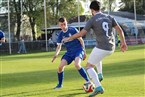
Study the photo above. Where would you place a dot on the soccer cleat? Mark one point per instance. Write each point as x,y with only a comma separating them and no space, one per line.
58,87
100,76
98,90
87,83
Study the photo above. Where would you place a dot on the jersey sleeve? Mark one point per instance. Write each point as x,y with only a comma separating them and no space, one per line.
2,35
59,39
88,25
75,30
114,22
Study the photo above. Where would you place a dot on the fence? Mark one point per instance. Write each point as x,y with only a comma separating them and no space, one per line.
40,46
30,46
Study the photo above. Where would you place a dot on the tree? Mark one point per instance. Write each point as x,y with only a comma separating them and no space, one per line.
108,5
17,8
15,15
33,10
59,8
129,6
55,9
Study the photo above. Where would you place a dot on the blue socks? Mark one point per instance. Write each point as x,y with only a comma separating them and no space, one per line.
60,78
81,71
84,74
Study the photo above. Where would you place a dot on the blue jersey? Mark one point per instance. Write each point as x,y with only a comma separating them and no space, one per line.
1,35
71,46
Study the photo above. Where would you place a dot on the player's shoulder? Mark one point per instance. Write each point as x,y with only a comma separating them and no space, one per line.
71,28
60,33
1,33
108,15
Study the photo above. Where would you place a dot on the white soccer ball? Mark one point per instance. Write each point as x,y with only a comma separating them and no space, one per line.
88,87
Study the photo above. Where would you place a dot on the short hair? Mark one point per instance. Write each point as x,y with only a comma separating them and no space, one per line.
62,19
95,5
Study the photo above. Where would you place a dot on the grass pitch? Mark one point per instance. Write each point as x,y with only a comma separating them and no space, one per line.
33,75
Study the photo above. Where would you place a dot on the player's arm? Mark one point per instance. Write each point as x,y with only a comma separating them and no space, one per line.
75,36
83,32
122,38
83,45
58,48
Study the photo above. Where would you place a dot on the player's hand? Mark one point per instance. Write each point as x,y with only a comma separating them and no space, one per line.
123,47
54,57
84,56
65,40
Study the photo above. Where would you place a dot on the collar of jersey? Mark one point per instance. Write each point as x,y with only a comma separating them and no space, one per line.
98,12
65,31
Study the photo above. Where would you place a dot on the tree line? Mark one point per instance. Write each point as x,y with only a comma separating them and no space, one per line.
34,9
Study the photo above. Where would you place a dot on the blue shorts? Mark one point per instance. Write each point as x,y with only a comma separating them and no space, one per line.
69,57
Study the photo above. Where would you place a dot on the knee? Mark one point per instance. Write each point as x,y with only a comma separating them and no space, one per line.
88,65
78,66
60,69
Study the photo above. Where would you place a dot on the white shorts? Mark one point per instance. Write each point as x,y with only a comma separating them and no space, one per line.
97,55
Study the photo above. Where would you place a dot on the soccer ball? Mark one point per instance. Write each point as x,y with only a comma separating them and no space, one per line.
88,87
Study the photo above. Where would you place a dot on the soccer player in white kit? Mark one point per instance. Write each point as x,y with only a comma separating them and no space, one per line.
102,25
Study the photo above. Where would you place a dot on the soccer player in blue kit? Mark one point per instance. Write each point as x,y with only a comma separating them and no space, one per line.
2,37
102,25
75,52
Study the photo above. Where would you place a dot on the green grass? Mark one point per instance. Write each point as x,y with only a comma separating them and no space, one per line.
33,75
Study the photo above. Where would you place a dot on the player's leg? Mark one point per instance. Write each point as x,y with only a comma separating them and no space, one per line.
61,73
99,70
24,48
81,70
20,48
95,58
94,76
66,60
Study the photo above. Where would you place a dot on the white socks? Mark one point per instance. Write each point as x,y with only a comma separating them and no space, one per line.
94,76
99,67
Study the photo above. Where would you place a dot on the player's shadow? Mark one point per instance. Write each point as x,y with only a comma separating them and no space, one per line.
30,93
73,94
